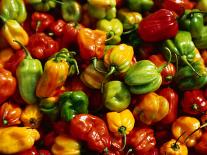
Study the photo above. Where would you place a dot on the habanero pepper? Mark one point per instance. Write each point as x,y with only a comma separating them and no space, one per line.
42,5
140,6
57,27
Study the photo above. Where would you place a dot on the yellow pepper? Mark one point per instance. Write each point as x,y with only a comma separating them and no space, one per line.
5,54
173,147
65,145
188,125
17,139
11,31
31,116
120,123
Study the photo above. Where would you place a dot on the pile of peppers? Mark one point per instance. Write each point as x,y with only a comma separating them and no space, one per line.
103,77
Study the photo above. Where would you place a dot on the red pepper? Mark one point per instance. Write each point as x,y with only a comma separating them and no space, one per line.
91,129
49,138
58,27
44,152
201,146
188,4
59,127
194,102
31,151
141,139
41,21
153,151
172,97
42,46
158,26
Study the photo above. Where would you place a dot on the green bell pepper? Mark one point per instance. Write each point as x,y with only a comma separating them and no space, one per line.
13,9
71,11
102,9
28,73
114,29
140,5
116,96
143,77
72,103
43,5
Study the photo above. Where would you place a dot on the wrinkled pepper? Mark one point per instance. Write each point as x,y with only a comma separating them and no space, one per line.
201,146
116,96
153,112
13,9
21,138
28,73
92,130
113,28
140,5
42,5
57,27
5,55
121,123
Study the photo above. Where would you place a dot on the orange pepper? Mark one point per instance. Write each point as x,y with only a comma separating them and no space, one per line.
5,54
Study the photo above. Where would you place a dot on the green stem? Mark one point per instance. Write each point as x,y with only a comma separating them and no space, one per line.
94,62
166,64
5,122
38,25
59,2
134,28
191,13
74,62
129,151
110,36
122,131
28,56
175,146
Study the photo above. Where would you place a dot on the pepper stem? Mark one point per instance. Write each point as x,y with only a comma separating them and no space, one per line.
59,2
175,146
122,131
134,28
110,36
166,64
38,25
5,122
191,13
94,62
28,56
129,151
74,62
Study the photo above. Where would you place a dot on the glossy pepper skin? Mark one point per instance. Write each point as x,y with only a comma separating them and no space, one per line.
5,55
42,5
21,138
28,73
57,27
153,112
140,6
10,114
92,130
201,146
143,77
42,46
173,147
13,9
7,84
116,96
166,26
142,140
188,125
113,27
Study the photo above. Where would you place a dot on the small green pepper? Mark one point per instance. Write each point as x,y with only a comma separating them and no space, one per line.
43,5
72,103
140,5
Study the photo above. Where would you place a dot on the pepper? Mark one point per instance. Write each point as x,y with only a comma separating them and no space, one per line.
57,27
42,5
41,21
153,112
31,150
73,103
116,96
55,73
92,130
28,73
31,116
65,145
102,9
5,55
42,46
173,147
143,77
21,138
114,29
202,5
188,125
10,114
71,11
13,9
7,84
158,26
142,140
140,6
201,146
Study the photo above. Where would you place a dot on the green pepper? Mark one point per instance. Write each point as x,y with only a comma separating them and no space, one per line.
71,11
114,29
28,73
72,103
43,5
140,5
13,9
116,96
102,9
143,77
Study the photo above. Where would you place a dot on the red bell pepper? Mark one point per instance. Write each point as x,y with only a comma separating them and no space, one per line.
57,27
172,97
158,26
42,46
201,146
194,102
31,151
91,129
41,21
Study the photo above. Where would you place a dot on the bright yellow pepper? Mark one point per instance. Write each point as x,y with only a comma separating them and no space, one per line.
120,123
5,54
173,147
11,31
65,145
17,139
188,125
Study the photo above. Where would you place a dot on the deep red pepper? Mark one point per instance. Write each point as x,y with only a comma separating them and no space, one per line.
44,152
49,138
201,146
57,27
42,46
91,129
41,21
194,102
158,26
31,151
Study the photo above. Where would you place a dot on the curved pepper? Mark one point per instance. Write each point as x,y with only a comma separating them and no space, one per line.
151,109
42,5
140,5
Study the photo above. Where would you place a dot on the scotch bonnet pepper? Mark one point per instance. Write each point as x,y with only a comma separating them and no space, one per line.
141,5
42,5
